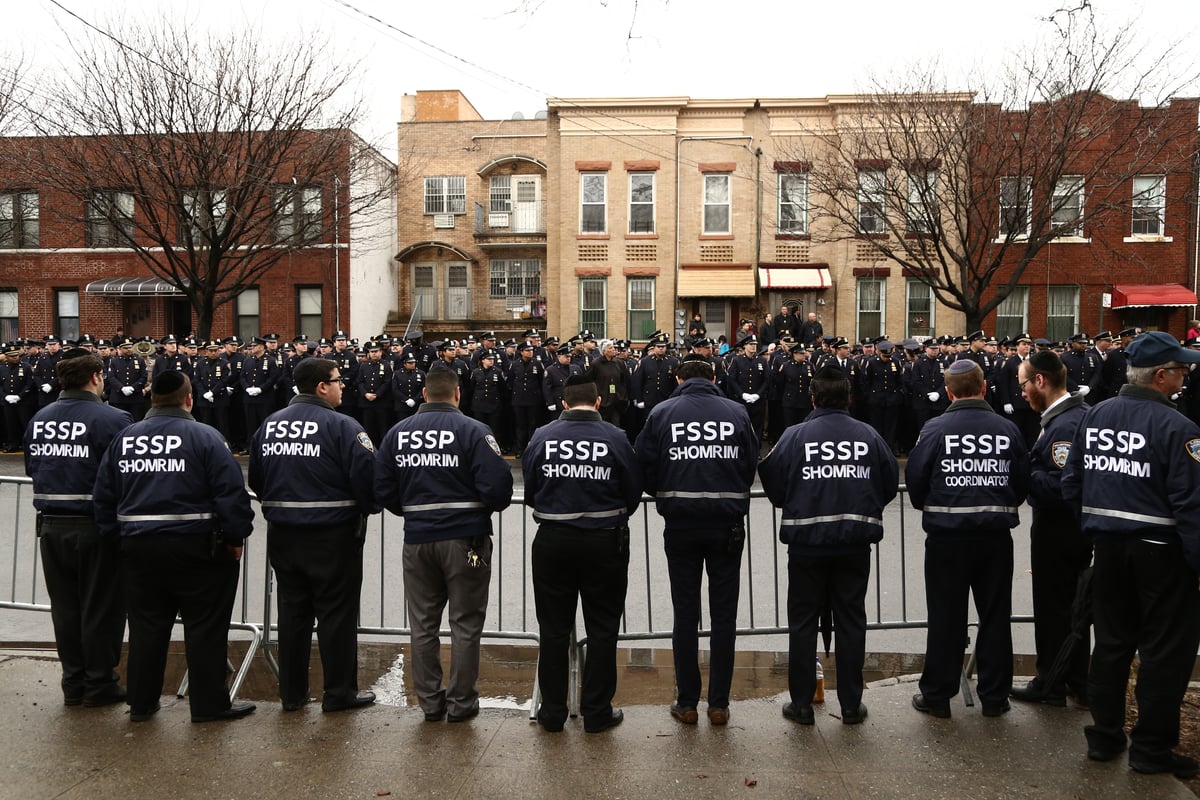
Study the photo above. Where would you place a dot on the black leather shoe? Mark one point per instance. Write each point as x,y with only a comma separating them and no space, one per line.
435,716
358,701
996,709
1104,753
685,714
294,705
470,713
601,725
551,724
1036,692
110,696
72,699
235,711
854,716
141,715
1177,765
926,707
801,714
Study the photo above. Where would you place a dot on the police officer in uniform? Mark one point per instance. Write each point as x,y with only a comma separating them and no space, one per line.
259,377
969,473
582,482
374,386
654,379
313,469
883,383
16,384
63,447
747,382
443,472
127,380
525,389
179,550
829,550
1084,368
556,380
697,453
488,388
1134,471
794,379
1058,550
45,376
408,386
348,366
1009,395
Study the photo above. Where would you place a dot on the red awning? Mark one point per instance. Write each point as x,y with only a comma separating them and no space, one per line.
1154,294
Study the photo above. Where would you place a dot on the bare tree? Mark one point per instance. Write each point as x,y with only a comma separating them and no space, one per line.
14,92
963,190
213,158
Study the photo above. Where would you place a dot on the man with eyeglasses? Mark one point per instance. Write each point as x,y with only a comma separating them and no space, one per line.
313,469
63,447
1134,472
1058,550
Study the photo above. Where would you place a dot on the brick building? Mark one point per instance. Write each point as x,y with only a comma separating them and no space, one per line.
66,266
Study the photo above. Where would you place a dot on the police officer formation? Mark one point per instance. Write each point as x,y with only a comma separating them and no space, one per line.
1089,432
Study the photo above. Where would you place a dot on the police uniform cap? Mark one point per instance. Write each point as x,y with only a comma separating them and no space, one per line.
413,336
960,366
510,342
992,341
167,382
34,343
300,337
1022,337
12,349
257,340
885,345
339,335
866,342
932,342
449,344
586,336
272,337
1103,336
1127,332
971,337
1158,347
168,339
324,342
841,341
213,344
191,341
373,345
703,341
787,340
85,339
563,351
487,335
410,358
126,342
1041,342
911,345
69,343
524,346
532,333
551,342
232,340
489,353
51,339
1078,337
99,343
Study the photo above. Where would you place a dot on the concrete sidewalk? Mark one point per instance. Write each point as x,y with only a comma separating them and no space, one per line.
51,751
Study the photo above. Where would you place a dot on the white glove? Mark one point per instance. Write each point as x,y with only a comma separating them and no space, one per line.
410,402
253,391
295,390
1083,391
746,397
228,390
933,397
640,404
552,408
46,388
127,390
1176,396
1008,408
12,399
208,396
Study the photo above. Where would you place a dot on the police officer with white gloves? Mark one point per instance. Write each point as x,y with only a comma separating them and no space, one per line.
968,473
313,469
582,481
179,550
443,472
63,447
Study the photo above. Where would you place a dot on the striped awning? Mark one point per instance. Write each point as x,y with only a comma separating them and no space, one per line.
132,287
795,277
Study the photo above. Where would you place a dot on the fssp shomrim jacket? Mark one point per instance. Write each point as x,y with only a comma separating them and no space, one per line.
1134,470
969,471
832,475
443,472
310,465
697,453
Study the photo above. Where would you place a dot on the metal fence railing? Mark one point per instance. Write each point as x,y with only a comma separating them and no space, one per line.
895,599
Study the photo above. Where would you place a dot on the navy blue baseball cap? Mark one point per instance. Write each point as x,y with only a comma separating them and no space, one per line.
1158,347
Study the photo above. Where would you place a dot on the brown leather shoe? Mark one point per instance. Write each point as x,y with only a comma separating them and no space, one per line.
685,714
718,716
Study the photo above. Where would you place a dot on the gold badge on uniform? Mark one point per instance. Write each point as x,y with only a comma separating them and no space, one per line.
1059,452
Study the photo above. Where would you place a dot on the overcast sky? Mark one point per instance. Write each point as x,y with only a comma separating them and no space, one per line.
510,55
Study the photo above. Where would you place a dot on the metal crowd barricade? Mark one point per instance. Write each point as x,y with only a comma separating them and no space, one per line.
511,616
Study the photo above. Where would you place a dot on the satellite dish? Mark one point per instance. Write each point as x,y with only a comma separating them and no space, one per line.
540,115
518,115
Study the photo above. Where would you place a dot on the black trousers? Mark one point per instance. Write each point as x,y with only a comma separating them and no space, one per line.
842,581
86,604
980,564
758,415
884,419
526,419
592,567
794,415
689,553
376,420
1146,602
169,574
1059,552
1030,424
319,572
255,414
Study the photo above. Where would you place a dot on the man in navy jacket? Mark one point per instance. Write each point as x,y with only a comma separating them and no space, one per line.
969,473
442,471
697,452
832,475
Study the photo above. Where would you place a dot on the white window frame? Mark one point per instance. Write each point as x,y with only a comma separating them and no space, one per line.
878,305
593,195
445,194
1024,187
636,203
640,293
1066,210
1149,203
872,201
1013,307
594,318
500,194
1060,299
247,307
922,201
310,310
197,217
718,194
792,190
514,278
929,310
110,218
10,314
298,214
19,220
66,312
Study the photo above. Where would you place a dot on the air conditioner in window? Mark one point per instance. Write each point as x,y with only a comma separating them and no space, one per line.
498,220
443,220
